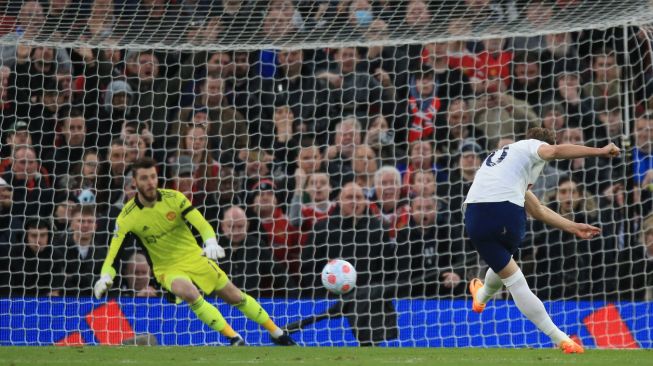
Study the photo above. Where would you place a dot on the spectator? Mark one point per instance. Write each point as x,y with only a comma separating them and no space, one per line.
227,194
609,122
423,184
63,210
459,128
10,226
60,19
90,175
351,233
593,173
429,252
422,158
181,178
364,165
636,267
29,23
418,18
423,105
351,91
153,92
278,234
16,135
341,152
204,170
446,73
317,187
136,277
36,265
100,23
243,92
294,84
32,191
118,107
605,85
495,59
380,138
74,140
7,105
227,128
42,117
643,151
460,180
500,115
390,204
562,261
575,104
250,265
118,169
532,80
84,249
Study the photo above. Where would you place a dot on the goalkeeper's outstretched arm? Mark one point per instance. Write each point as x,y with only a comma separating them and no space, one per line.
108,271
211,248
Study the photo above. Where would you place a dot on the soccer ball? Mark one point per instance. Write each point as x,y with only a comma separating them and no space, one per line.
339,276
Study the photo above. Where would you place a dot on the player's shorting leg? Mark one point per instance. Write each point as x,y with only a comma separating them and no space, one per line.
255,312
212,317
529,304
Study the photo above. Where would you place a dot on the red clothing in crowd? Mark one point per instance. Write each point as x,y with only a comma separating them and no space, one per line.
393,221
285,240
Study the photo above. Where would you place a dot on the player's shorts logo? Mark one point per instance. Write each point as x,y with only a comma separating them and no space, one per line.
171,215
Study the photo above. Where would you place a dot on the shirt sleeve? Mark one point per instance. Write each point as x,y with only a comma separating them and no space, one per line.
195,218
119,233
533,146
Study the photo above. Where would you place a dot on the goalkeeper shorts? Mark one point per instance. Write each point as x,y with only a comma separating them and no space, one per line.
496,230
203,272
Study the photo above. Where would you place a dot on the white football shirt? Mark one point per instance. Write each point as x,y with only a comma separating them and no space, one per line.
506,173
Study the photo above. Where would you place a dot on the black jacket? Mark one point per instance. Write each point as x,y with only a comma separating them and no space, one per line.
424,253
81,273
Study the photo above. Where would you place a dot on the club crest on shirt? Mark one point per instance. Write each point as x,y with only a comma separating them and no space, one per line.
171,215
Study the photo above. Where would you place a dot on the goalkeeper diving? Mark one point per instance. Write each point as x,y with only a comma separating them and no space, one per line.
160,218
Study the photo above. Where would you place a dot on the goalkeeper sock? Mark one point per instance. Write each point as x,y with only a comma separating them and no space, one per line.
491,285
532,307
210,315
254,311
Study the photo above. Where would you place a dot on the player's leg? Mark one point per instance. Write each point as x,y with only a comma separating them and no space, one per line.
482,291
253,311
185,289
533,308
483,234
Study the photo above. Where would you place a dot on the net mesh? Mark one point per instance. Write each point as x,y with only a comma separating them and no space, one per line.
311,130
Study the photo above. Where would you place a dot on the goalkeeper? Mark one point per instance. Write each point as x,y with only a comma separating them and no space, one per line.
159,217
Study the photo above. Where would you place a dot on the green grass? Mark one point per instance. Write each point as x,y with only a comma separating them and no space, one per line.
269,356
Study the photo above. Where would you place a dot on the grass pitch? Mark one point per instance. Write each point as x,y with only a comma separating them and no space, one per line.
272,356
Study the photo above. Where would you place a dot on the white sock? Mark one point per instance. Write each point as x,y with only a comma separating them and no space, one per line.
532,307
276,333
491,285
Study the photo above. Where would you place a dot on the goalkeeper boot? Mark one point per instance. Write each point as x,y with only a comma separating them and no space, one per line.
474,286
237,341
284,340
569,346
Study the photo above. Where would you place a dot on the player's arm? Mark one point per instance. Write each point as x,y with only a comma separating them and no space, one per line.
570,151
108,272
538,211
211,248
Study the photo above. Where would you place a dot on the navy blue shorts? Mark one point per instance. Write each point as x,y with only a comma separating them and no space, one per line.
496,229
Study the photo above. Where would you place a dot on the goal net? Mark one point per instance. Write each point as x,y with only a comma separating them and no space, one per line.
306,131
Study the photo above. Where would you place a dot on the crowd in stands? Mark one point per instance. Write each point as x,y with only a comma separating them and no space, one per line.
298,156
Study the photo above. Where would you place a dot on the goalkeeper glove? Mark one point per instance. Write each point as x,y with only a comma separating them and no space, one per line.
102,285
212,250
